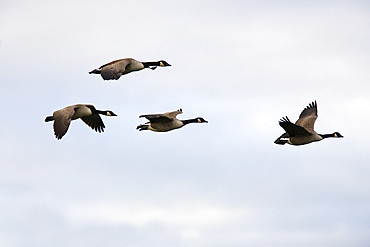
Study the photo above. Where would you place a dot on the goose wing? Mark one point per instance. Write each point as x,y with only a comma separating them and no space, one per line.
114,69
154,118
292,129
308,117
62,120
173,114
165,117
95,122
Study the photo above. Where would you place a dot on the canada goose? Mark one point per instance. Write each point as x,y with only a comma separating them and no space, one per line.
166,121
114,70
302,131
62,118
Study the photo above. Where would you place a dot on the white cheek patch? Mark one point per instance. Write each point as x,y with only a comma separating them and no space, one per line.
161,64
108,114
199,121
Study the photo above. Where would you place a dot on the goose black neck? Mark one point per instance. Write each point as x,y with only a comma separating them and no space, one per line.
92,109
187,121
326,135
148,64
100,112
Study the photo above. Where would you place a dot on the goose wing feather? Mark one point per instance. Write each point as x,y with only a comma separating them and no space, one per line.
114,69
308,117
62,120
95,122
154,118
292,129
173,114
165,117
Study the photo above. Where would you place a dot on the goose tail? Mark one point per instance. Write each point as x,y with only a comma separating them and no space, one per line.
142,127
49,118
282,139
95,71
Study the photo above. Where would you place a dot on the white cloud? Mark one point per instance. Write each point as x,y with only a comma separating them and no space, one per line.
241,65
185,215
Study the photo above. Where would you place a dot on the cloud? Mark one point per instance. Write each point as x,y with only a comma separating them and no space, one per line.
240,65
191,214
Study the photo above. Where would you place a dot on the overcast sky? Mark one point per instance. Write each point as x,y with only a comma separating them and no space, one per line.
241,65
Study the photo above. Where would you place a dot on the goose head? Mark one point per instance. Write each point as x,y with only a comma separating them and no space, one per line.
163,63
337,134
109,113
201,120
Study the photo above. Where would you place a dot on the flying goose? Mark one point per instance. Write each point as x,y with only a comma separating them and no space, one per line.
166,121
62,118
114,70
302,131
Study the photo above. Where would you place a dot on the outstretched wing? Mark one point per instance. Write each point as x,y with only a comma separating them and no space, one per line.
308,117
114,69
95,122
165,117
153,118
293,129
62,120
173,114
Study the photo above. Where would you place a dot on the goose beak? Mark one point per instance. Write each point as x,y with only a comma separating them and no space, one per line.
336,134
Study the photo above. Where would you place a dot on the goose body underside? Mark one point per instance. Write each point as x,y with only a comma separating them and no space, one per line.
297,140
163,127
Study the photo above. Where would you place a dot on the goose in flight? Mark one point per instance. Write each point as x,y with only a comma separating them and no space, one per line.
114,69
302,132
91,116
166,121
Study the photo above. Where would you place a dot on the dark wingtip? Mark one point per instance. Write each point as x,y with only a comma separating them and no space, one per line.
284,119
313,104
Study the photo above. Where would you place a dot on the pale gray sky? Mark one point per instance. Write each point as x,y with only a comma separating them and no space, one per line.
242,65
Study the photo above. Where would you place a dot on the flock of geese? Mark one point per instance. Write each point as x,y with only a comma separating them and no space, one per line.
299,133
